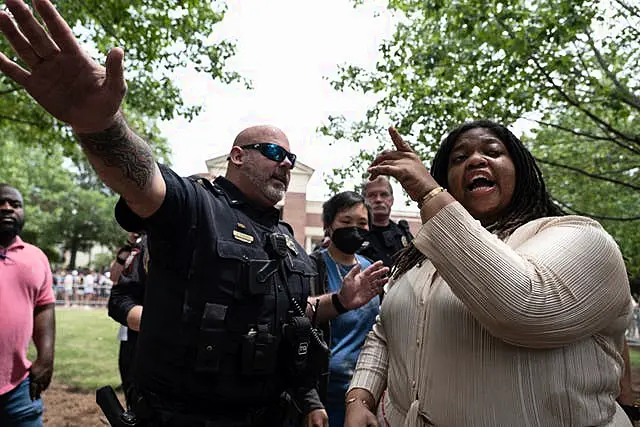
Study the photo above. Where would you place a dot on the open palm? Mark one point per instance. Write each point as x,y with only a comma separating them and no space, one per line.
359,287
61,77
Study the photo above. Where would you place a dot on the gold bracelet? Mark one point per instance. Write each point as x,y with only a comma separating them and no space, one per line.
356,399
430,195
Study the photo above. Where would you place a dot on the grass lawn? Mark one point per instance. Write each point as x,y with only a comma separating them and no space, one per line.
634,356
86,348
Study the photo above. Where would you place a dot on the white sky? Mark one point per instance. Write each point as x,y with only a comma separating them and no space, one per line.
287,48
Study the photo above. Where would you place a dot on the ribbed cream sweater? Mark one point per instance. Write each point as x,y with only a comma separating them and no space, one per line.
526,332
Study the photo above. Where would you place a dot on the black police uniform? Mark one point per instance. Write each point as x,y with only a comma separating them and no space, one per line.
212,348
384,242
126,294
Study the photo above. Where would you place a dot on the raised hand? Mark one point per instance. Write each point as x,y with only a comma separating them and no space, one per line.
403,164
61,77
359,287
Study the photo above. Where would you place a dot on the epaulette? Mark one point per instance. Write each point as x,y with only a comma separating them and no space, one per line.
404,225
407,237
208,185
287,225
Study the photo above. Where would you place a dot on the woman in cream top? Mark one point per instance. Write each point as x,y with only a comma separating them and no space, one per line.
503,312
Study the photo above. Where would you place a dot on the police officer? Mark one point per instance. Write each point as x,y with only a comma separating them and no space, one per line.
224,332
125,307
385,236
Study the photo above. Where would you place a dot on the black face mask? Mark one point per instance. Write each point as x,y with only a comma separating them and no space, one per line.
349,239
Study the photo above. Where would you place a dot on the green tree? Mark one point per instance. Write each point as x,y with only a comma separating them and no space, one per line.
594,178
571,67
102,261
67,207
158,38
60,214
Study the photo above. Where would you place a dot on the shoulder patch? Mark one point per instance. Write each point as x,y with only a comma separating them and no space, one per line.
291,245
404,226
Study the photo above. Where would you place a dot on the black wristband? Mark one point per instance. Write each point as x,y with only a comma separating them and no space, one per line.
337,304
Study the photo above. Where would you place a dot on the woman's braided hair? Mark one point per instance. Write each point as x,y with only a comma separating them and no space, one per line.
530,198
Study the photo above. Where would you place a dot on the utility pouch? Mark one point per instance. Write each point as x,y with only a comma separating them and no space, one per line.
212,339
298,335
259,352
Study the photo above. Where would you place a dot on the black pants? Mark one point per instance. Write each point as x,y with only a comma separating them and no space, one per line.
269,417
158,413
125,364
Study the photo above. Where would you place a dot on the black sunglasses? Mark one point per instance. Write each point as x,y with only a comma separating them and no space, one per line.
272,152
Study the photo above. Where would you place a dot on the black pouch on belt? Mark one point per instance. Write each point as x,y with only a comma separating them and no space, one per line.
259,351
213,338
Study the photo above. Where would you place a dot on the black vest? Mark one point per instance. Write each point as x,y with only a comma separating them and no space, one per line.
213,326
384,242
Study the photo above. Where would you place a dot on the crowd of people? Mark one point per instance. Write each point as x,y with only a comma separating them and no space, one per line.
501,311
81,287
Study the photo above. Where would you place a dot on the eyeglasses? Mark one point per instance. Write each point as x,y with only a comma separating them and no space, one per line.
272,152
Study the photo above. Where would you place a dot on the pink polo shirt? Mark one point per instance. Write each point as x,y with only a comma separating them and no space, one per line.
25,283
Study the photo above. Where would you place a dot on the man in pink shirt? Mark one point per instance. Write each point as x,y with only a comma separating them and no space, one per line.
26,311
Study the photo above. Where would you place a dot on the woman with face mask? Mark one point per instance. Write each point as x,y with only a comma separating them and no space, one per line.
346,218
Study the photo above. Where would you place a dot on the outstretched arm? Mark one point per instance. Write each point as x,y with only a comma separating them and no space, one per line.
73,88
125,163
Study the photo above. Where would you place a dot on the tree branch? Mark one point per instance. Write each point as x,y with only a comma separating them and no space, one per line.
581,60
632,10
634,30
8,91
596,216
621,171
604,127
570,100
584,134
39,125
628,97
590,175
95,14
578,105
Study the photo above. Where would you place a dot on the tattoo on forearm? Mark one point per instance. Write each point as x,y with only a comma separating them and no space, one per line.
118,146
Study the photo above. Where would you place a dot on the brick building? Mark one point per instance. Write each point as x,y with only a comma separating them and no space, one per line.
305,216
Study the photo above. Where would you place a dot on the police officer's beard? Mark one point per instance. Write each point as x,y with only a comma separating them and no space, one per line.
263,180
